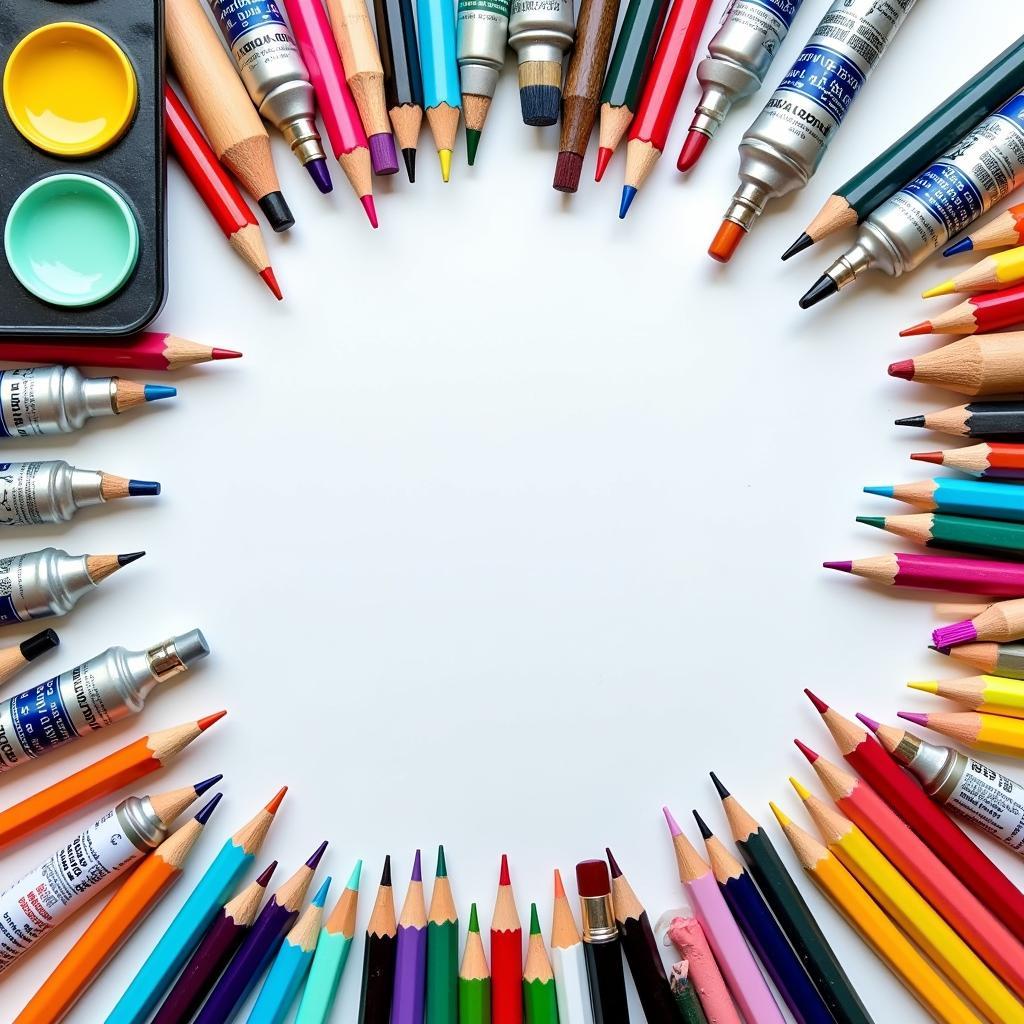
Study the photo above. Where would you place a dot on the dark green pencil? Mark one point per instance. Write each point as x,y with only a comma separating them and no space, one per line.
958,533
442,950
912,152
792,913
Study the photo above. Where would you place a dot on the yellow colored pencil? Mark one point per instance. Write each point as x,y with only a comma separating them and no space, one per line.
908,908
992,694
870,921
998,734
999,270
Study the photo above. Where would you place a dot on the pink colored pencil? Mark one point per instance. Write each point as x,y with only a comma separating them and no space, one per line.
333,96
939,572
148,350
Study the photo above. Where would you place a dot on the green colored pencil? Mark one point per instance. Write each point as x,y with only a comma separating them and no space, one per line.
685,994
442,950
793,914
960,533
474,978
541,1002
917,148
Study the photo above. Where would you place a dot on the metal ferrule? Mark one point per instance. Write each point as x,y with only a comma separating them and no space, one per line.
174,656
541,32
869,251
598,917
141,824
748,203
39,400
930,764
41,583
32,493
481,42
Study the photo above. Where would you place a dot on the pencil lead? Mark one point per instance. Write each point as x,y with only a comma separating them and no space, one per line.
913,716
726,241
275,800
910,421
409,156
628,194
202,787
268,873
940,649
811,755
442,867
702,825
132,556
945,288
385,875
924,685
321,894
316,855
534,920
964,245
270,278
933,457
673,825
878,522
924,327
445,157
904,369
722,791
818,703
158,392
846,566
803,242
693,146
780,815
822,289
275,209
143,488
472,144
225,353
474,920
869,722
504,878
882,491
38,644
370,208
604,158
321,176
417,868
353,879
204,814
204,723
559,886
613,863
801,790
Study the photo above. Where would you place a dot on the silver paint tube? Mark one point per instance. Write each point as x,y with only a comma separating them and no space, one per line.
481,44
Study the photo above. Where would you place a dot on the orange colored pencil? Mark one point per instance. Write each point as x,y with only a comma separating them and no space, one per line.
111,773
114,924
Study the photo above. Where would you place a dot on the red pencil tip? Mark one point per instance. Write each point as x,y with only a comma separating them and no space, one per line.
811,755
204,723
904,369
268,275
559,887
693,147
726,241
821,706
276,801
604,158
371,210
924,327
504,878
225,353
934,457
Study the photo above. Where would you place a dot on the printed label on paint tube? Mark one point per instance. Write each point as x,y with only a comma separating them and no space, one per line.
826,77
769,19
19,416
992,801
240,16
11,589
18,505
559,7
37,903
499,8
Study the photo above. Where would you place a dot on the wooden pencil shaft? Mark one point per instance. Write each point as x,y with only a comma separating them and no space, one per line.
594,29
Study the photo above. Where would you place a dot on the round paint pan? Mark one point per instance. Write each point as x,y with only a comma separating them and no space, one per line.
71,240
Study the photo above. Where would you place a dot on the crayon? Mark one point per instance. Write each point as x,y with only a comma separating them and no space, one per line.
686,934
990,311
685,995
148,350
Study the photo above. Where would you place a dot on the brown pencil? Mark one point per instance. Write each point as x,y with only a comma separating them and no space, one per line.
987,364
582,92
223,108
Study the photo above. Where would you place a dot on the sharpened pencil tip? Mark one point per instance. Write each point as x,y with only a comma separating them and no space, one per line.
613,863
321,894
204,813
878,522
559,886
268,873
158,392
385,875
270,279
924,327
811,755
673,825
913,716
371,209
869,723
504,878
803,242
933,457
417,867
474,919
472,144
275,800
780,815
604,158
202,787
881,490
705,831
628,195
939,650
314,859
801,790
442,867
945,288
818,703
353,879
224,353
910,421
445,158
964,245
924,685
132,556
846,566
823,288
204,723
903,368
534,920
723,793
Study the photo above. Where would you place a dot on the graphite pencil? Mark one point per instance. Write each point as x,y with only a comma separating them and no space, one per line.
990,311
989,364
988,460
990,421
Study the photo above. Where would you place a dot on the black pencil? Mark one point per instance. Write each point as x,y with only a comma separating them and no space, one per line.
991,421
403,80
379,955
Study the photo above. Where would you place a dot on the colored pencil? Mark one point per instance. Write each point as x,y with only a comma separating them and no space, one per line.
100,779
939,129
870,921
337,108
291,965
581,93
627,73
442,97
411,954
506,954
990,421
990,311
746,984
332,951
539,998
958,533
792,913
216,948
685,995
986,365
1002,230
223,108
601,943
959,497
648,131
763,933
474,978
911,912
907,799
218,192
996,734
379,955
686,934
965,914
999,270
14,658
149,350
350,23
959,609
403,80
988,694
568,959
988,460
939,572
192,921
1006,660
641,949
259,946
1001,622
145,887
442,949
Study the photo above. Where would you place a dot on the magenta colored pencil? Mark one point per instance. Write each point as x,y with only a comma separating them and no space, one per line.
411,955
939,572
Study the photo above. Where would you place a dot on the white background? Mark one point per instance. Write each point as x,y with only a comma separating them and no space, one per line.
507,528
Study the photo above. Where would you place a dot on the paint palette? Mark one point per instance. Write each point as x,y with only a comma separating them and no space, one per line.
82,166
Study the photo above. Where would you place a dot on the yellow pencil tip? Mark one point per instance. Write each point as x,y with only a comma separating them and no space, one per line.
946,288
780,814
801,790
924,685
445,156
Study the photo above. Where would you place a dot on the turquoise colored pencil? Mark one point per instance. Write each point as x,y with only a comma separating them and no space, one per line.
442,95
184,933
332,949
291,965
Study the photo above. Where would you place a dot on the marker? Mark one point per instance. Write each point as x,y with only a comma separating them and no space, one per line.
541,35
481,41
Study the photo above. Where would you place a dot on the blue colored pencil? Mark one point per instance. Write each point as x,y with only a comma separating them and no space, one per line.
982,498
442,95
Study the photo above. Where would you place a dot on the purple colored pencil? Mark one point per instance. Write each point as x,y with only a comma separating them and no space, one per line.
218,946
940,572
260,946
411,954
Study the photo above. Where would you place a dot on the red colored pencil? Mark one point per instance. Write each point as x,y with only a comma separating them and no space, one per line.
148,350
908,800
990,460
216,189
506,954
989,311
649,129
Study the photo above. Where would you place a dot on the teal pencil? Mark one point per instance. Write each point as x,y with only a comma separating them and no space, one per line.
185,932
291,965
332,949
